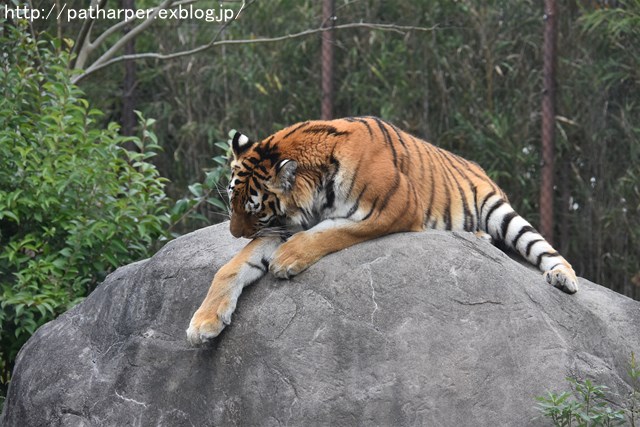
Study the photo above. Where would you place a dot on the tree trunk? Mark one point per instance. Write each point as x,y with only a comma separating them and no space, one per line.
548,120
128,119
328,39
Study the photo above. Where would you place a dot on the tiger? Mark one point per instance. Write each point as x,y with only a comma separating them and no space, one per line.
317,187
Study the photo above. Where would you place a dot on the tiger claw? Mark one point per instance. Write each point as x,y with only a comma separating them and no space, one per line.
280,272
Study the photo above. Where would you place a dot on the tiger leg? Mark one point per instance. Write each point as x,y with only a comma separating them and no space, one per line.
249,265
502,222
306,247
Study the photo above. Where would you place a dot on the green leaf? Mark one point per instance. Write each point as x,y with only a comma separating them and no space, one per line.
222,145
221,160
196,189
42,310
217,203
211,179
19,308
9,214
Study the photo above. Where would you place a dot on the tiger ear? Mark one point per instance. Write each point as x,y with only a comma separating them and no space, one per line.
285,174
239,143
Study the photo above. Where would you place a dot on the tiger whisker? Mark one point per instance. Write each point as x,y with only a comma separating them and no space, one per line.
274,231
223,198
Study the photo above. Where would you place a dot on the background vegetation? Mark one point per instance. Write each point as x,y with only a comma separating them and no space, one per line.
78,199
595,405
74,204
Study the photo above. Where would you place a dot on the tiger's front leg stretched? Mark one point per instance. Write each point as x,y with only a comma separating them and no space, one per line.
249,265
331,235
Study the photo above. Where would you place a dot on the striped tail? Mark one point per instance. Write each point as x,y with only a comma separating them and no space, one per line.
504,225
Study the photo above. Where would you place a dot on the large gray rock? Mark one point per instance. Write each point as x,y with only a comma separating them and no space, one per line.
431,328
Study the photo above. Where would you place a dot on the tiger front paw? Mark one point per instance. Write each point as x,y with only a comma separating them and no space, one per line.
286,269
209,320
563,278
290,259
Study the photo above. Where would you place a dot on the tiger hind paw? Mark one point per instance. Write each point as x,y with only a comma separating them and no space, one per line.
484,236
563,278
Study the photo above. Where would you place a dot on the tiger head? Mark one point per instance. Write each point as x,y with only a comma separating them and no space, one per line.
260,186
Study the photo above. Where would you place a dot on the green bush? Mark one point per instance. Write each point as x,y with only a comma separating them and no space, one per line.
594,406
74,202
591,410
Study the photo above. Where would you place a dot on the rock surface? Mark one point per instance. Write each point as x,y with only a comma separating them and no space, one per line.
430,328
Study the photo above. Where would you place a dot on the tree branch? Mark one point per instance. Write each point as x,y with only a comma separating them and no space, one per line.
81,48
131,34
116,27
401,29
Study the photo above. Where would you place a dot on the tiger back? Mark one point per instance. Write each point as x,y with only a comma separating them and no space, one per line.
320,186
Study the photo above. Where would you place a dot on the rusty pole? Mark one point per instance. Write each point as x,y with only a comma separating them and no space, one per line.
328,38
548,120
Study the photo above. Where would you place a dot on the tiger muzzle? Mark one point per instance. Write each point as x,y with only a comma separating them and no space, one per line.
242,227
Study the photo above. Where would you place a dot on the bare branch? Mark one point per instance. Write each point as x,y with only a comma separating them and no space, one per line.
81,47
131,34
89,47
120,25
401,29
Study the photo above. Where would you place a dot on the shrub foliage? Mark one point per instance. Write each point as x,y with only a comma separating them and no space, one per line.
74,203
